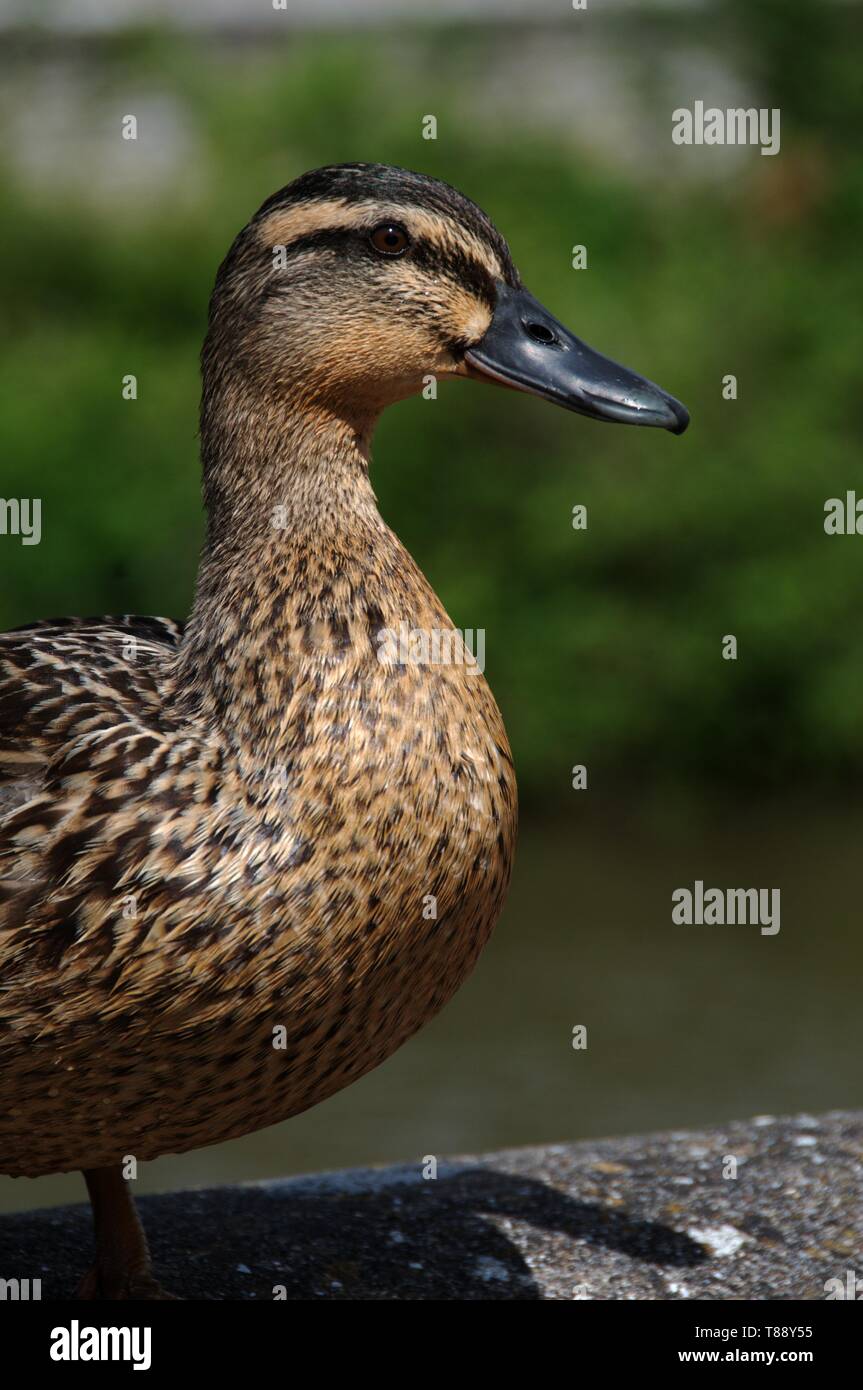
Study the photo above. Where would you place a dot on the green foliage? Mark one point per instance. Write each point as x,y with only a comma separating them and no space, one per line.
603,646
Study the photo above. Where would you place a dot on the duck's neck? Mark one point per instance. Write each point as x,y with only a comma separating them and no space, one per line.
297,561
276,464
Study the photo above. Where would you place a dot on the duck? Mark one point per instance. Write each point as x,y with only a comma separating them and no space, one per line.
245,857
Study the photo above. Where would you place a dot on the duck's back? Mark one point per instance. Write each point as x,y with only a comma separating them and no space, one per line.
63,682
67,686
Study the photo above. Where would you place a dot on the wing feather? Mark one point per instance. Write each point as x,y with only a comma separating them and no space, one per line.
62,680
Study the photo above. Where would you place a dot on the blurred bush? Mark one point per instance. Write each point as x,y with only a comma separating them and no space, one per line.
603,646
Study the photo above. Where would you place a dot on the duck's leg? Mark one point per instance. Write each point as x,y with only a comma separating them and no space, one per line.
122,1268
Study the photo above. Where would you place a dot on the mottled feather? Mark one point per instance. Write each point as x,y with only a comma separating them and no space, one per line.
252,830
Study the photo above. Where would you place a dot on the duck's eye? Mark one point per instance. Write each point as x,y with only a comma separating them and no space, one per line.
390,239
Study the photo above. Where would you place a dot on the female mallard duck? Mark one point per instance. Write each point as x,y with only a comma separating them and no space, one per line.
244,860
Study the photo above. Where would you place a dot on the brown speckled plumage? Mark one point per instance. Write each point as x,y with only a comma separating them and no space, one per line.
211,832
242,861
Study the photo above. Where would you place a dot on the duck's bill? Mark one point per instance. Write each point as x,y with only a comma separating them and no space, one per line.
526,348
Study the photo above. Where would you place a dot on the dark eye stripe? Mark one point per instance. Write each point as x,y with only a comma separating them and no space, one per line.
356,183
458,266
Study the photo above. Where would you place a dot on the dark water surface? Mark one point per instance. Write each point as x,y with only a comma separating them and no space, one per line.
687,1025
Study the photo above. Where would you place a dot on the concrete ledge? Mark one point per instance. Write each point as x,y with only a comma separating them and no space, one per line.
636,1218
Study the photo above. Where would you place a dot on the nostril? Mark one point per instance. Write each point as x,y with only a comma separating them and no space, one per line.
540,333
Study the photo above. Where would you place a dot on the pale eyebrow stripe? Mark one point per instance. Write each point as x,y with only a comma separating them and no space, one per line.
289,224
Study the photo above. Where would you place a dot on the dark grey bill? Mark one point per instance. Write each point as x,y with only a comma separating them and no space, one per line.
525,347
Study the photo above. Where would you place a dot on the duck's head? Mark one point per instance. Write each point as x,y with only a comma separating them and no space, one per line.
356,283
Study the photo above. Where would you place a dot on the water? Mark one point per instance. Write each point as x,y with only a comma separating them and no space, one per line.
685,1025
